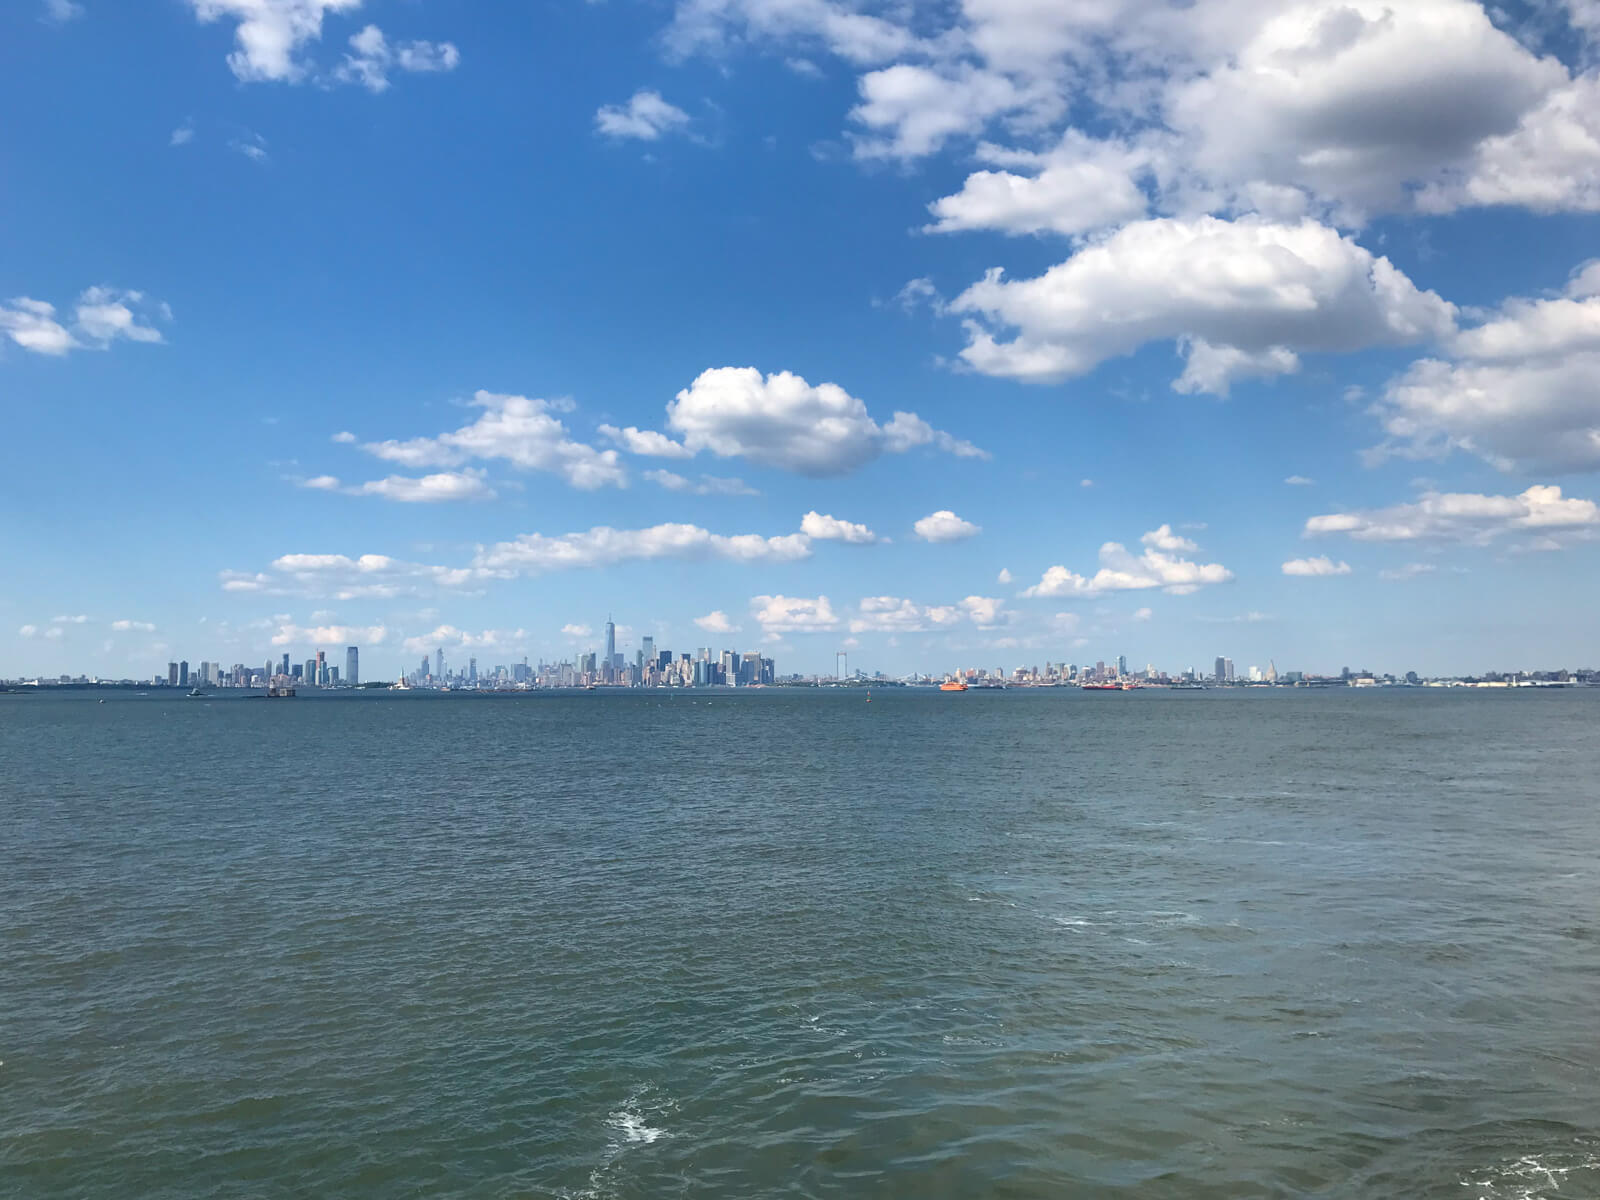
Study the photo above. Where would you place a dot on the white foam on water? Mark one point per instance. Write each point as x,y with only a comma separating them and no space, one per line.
1538,1177
1073,922
634,1128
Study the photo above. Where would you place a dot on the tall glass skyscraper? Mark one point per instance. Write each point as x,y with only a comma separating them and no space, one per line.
352,666
611,646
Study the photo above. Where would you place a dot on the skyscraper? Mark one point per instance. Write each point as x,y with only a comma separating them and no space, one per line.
322,669
438,663
309,677
1122,665
1221,675
285,663
352,665
609,663
172,674
183,674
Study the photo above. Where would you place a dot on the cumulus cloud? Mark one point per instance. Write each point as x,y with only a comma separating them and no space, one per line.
1142,614
793,614
578,632
1299,481
372,57
646,117
522,431
132,627
945,526
1241,298
341,577
290,634
828,528
1518,391
1081,187
60,12
1164,539
344,437
101,316
648,442
29,631
1321,565
1465,517
1121,570
717,621
1004,576
782,421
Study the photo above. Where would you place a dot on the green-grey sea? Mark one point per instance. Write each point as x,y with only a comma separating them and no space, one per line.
790,943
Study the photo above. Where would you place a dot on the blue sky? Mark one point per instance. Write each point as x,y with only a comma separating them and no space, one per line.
1099,327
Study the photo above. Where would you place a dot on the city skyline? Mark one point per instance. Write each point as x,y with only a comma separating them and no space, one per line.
812,329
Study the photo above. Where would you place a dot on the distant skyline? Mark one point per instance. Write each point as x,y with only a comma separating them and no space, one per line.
996,334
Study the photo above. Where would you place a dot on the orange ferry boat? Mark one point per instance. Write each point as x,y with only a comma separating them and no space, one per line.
952,685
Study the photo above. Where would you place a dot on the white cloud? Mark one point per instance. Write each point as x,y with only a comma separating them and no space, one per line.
101,316
1164,539
828,528
29,631
1465,517
322,483
646,117
716,26
706,485
429,489
368,576
782,421
1121,570
1142,614
182,135
1004,576
1519,394
132,627
520,430
1082,187
945,526
448,637
577,632
271,33
1321,565
1241,297
1086,483
895,614
604,546
648,442
60,12
1299,481
344,437
289,634
54,634
372,57
76,619
717,621
793,614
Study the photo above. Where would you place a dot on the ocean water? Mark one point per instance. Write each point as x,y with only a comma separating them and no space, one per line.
794,944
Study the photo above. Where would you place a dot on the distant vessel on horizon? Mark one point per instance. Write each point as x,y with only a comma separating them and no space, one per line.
197,694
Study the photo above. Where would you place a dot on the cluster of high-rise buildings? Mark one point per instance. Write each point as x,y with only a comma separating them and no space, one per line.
314,672
648,666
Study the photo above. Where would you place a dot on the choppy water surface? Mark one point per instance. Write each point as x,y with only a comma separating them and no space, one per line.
790,944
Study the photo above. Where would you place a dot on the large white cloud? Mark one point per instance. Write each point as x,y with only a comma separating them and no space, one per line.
1121,570
1520,392
1467,517
522,431
1243,297
780,420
